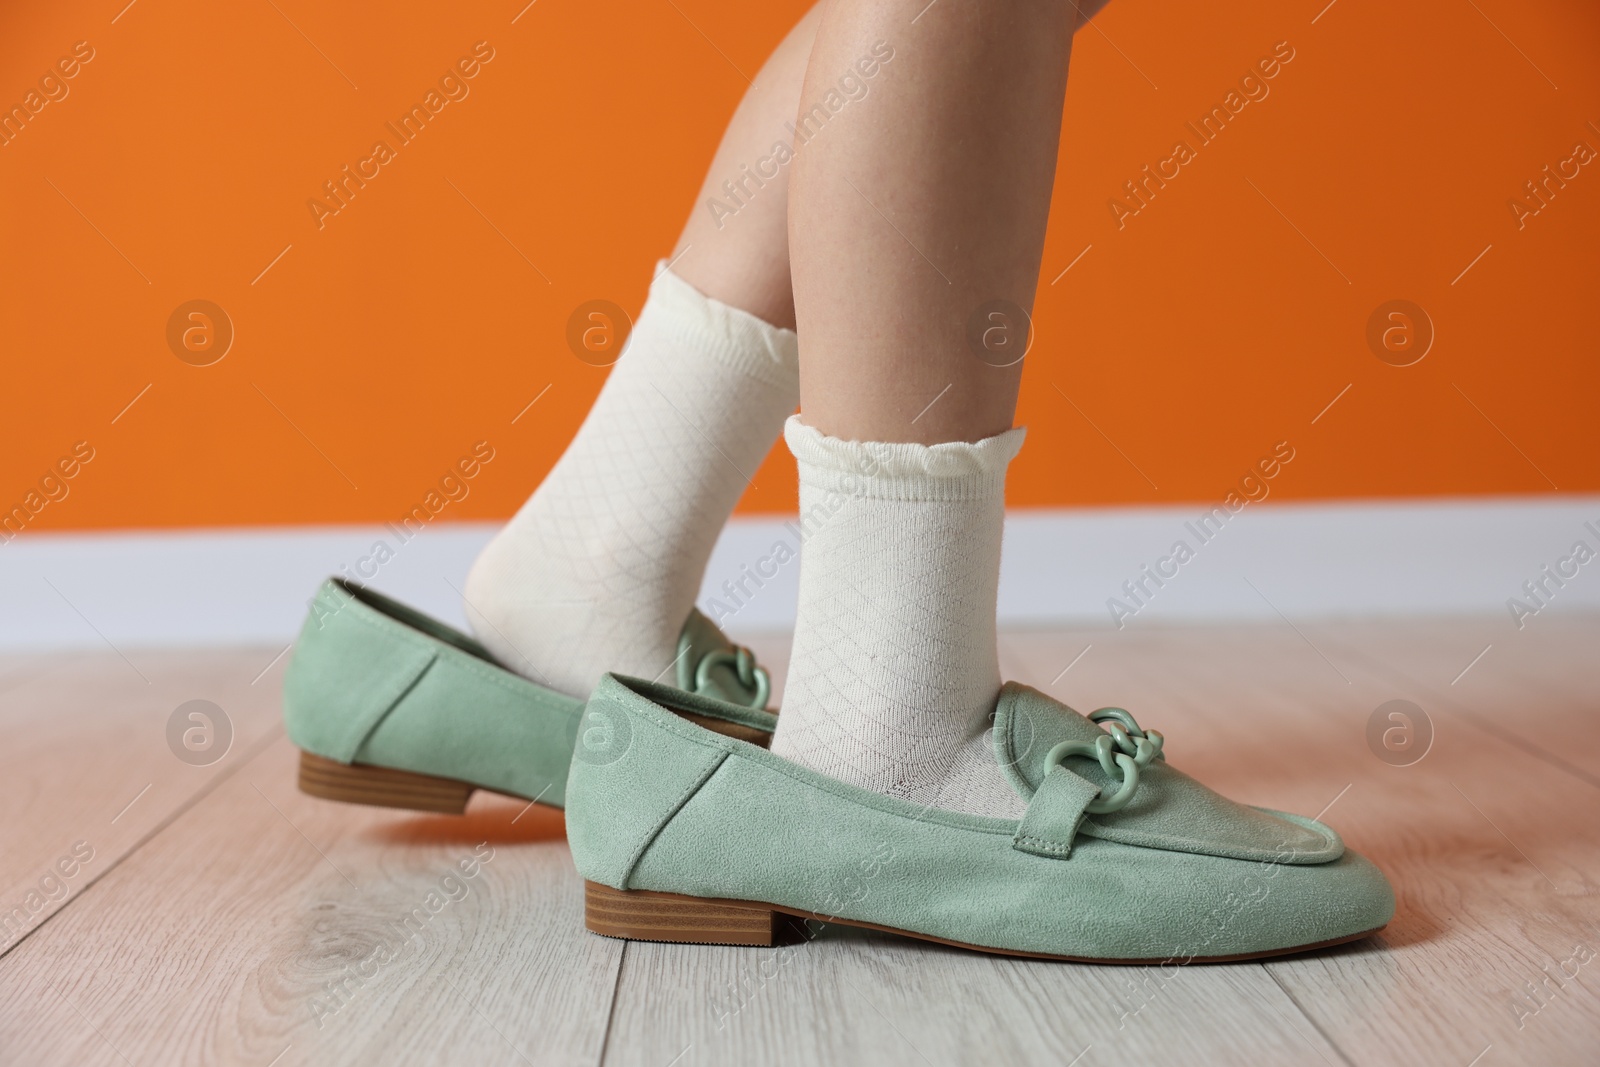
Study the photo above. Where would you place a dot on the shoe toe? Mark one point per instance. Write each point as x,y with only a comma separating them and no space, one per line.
1316,904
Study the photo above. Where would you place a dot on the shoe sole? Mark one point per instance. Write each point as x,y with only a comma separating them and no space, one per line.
384,787
646,915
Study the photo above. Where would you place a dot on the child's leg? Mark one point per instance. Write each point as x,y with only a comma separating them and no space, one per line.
929,203
600,568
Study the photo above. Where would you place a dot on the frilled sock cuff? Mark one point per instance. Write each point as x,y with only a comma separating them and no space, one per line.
954,470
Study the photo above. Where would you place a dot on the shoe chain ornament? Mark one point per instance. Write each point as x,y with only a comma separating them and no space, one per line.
1122,752
753,679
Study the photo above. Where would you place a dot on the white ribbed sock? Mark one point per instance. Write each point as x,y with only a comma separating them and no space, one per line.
600,568
895,670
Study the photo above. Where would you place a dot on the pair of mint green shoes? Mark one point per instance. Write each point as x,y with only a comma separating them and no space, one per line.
685,828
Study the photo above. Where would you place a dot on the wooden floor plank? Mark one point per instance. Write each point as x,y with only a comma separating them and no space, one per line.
217,939
263,920
87,771
1497,856
1534,688
855,997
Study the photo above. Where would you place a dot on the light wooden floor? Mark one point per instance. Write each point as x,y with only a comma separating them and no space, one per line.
220,904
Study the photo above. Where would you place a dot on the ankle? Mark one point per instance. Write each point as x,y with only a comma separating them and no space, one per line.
894,672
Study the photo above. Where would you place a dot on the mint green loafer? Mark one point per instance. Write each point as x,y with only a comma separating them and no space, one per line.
693,834
393,708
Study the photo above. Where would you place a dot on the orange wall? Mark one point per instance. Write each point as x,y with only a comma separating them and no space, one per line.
1211,326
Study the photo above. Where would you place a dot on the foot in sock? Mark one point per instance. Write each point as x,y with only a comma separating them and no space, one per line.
599,569
895,671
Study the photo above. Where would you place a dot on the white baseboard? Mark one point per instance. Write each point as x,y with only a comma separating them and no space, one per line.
211,587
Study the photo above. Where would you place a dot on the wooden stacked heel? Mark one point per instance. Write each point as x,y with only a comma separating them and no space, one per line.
384,787
640,915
